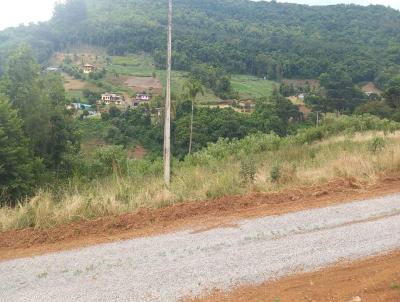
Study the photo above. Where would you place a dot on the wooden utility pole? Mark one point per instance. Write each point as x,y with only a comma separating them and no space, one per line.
167,125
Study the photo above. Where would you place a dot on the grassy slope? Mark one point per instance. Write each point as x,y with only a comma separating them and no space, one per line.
139,65
279,163
250,87
142,65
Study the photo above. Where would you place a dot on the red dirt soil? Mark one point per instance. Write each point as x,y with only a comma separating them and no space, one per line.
198,216
372,280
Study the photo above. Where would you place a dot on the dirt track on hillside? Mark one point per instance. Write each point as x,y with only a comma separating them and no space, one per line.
197,215
373,280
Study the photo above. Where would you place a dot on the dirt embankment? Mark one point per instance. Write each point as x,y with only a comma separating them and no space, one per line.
372,280
197,215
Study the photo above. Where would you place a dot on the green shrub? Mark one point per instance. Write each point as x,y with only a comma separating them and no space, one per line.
310,135
276,173
377,144
108,160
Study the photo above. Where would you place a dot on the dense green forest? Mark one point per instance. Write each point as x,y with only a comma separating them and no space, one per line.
261,38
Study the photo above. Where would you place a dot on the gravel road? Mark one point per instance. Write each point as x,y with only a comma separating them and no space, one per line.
172,266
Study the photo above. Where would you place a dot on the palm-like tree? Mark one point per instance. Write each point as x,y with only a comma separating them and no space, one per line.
193,88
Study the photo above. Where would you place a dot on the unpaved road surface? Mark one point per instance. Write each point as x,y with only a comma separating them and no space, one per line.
173,266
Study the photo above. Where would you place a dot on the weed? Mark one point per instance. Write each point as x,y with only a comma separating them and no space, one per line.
376,145
395,285
43,275
276,173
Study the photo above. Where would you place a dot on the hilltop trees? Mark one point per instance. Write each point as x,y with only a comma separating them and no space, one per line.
259,38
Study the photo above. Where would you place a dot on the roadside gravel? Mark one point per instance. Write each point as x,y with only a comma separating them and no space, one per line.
172,266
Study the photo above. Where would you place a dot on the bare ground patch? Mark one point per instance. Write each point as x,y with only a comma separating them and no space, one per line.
375,279
148,84
72,84
371,87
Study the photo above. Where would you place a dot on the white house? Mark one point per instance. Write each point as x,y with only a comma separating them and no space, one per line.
141,98
111,98
89,68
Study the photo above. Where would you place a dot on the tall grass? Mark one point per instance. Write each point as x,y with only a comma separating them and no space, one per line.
313,156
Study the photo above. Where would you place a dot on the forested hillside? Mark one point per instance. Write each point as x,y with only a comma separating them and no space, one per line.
261,38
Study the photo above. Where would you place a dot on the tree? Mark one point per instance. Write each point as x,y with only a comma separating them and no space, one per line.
40,104
193,88
392,93
63,140
23,87
53,85
341,93
378,108
16,160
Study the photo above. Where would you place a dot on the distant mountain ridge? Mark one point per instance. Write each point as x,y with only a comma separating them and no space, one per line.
261,38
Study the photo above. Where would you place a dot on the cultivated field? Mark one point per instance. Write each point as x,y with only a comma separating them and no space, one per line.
250,87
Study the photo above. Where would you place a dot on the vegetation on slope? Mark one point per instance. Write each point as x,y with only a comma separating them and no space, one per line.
46,179
363,147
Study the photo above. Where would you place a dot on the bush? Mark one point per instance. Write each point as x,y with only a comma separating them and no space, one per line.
377,144
310,135
275,173
107,161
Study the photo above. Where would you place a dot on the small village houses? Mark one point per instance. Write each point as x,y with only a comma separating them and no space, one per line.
89,68
111,98
141,98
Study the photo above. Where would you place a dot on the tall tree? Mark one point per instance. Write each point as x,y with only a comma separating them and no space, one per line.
392,93
40,101
340,91
193,88
16,160
22,85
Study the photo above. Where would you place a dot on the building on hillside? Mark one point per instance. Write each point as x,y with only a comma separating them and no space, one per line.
141,98
89,68
53,69
111,98
81,106
302,96
247,106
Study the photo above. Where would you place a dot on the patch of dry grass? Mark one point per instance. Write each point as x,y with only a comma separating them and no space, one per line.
293,165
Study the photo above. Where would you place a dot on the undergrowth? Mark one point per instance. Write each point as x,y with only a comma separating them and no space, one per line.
361,147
